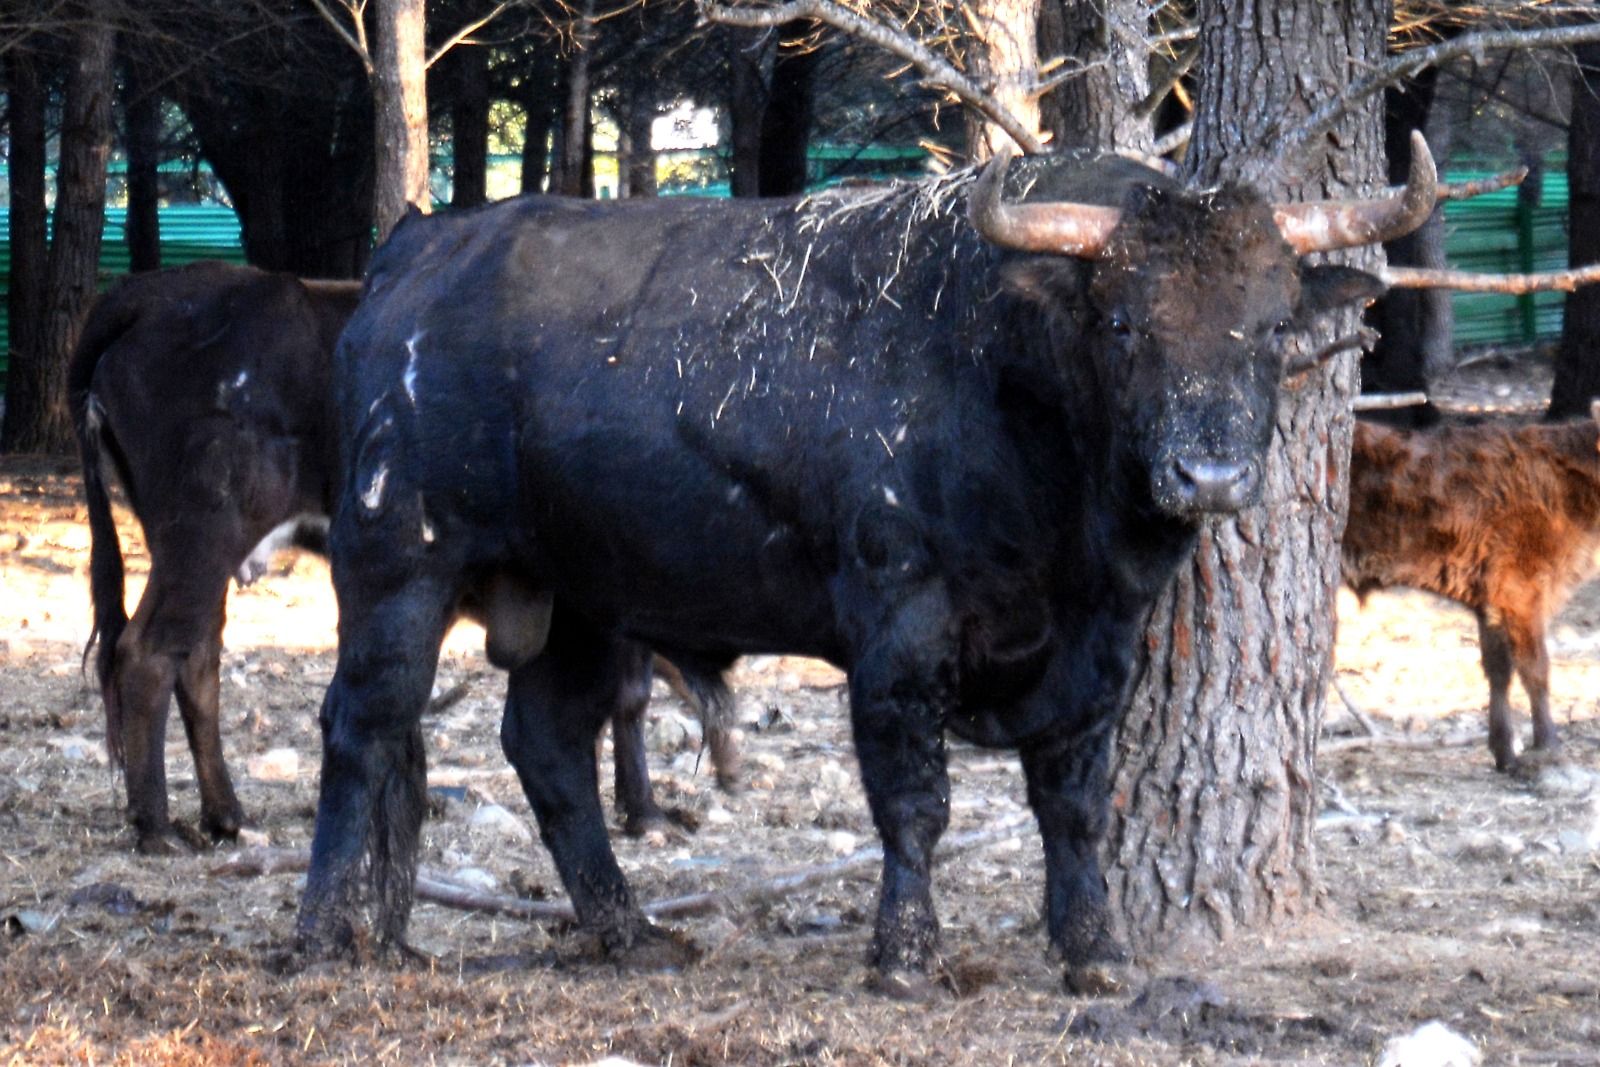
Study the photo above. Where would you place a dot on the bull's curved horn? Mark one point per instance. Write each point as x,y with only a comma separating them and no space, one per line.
1057,228
1321,226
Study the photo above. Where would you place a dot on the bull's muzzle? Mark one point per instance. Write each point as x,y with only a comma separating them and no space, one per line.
1216,485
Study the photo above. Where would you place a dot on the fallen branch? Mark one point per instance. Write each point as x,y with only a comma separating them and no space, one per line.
1350,744
1361,717
434,887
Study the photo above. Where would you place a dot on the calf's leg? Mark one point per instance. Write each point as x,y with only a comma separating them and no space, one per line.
141,684
1531,657
1494,646
636,803
198,692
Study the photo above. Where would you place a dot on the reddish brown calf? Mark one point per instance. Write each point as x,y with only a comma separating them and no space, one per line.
1504,519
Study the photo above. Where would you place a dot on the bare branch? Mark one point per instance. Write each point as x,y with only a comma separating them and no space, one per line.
1466,281
466,31
1381,402
1173,140
1406,64
936,71
1479,186
354,35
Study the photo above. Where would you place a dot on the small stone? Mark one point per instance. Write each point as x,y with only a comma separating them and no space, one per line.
1430,1045
1575,842
717,815
498,820
1563,780
77,749
842,842
275,765
251,838
1393,832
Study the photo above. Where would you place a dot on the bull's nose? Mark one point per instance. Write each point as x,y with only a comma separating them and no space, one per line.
1215,485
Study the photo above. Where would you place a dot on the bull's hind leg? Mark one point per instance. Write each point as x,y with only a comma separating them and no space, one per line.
636,802
1494,646
556,705
199,685
369,812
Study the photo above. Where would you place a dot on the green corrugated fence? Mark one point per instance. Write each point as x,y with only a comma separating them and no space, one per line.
187,233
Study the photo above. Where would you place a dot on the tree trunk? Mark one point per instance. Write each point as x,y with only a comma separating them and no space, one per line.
72,270
639,167
1578,359
26,94
1095,108
400,98
469,127
1213,776
1416,326
748,54
786,120
575,117
539,94
1004,59
143,115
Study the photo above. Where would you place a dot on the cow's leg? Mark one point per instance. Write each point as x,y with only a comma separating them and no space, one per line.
1494,646
198,691
1531,657
369,812
636,803
556,705
1068,792
901,688
141,685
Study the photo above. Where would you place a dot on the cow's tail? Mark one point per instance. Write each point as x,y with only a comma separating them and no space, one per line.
702,685
97,449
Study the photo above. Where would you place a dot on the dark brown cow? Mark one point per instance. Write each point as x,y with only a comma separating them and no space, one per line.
205,390
1504,519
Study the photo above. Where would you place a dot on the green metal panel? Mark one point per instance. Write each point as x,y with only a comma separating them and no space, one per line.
188,233
1487,234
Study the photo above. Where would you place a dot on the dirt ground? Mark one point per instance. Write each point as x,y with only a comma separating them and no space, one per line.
1454,894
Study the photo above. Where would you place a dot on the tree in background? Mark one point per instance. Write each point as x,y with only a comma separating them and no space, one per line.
1578,359
400,103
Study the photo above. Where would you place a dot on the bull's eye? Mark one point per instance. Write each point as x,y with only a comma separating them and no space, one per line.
1119,325
1282,328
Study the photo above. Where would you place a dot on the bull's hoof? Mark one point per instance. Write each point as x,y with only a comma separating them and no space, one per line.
223,827
661,826
1101,978
162,842
643,946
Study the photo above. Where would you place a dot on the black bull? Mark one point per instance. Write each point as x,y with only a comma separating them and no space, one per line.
205,390
959,459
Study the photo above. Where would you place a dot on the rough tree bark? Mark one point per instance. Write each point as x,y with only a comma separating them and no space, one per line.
638,176
540,90
749,56
72,265
469,126
1004,59
142,113
571,162
1213,798
1110,74
1578,359
25,297
400,100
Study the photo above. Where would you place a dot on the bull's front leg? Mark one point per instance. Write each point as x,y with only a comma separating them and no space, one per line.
901,688
1068,791
372,796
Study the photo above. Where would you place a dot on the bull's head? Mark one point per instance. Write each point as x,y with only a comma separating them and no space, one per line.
1190,308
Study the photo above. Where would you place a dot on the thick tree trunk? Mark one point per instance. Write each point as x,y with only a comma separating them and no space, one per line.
1416,326
400,99
639,155
540,92
72,272
25,296
1095,108
143,114
573,159
1578,359
786,121
1003,57
469,127
1213,794
749,56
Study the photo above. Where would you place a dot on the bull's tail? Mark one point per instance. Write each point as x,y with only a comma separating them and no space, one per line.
97,448
701,684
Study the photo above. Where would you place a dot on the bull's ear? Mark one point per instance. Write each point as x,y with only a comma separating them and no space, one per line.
1324,287
1050,282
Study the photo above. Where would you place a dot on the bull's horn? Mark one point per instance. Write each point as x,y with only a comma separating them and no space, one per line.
1060,229
1322,226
